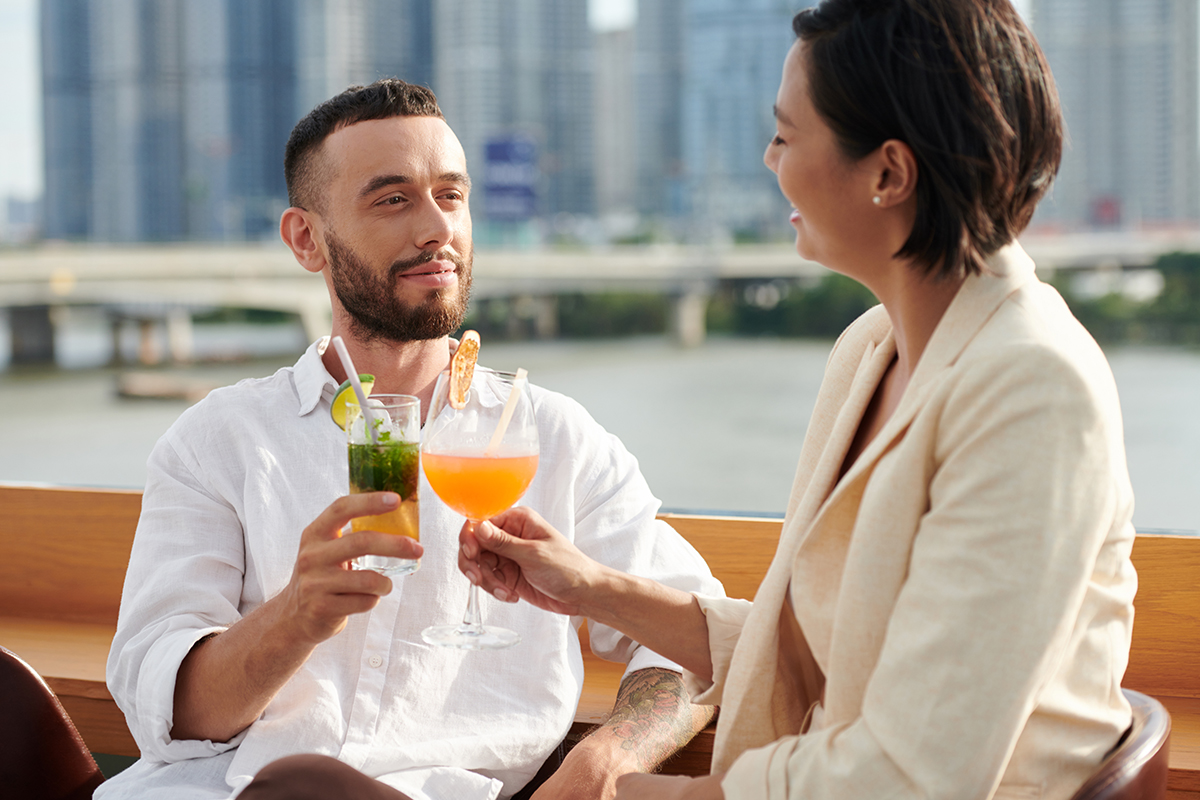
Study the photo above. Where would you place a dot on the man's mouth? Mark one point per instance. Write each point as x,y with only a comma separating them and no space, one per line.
434,274
435,267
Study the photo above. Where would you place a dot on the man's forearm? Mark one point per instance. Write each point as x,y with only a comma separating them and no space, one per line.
226,682
653,717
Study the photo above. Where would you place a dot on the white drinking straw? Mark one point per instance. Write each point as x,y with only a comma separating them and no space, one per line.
506,414
344,355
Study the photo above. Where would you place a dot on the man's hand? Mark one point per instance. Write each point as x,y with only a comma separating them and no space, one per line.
226,681
324,591
669,787
518,555
652,718
587,773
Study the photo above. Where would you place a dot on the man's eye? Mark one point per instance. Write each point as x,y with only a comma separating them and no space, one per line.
777,140
394,200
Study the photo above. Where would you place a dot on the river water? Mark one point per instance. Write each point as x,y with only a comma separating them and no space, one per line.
715,428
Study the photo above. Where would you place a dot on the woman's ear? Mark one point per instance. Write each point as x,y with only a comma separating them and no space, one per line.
298,229
895,174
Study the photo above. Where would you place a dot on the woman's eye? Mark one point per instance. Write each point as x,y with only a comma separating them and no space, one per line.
777,141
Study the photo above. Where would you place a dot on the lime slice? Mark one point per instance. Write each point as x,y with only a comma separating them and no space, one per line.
344,394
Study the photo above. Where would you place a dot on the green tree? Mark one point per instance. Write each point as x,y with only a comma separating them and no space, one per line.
1176,310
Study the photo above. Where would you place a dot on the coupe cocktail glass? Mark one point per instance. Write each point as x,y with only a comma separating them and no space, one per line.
479,460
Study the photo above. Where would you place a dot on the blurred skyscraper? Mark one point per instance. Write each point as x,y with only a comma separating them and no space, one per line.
509,70
1127,73
734,54
166,119
658,79
615,161
67,123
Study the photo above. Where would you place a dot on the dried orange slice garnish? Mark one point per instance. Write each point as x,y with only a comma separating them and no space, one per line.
462,367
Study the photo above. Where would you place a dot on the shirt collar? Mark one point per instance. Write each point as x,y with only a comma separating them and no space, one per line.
311,377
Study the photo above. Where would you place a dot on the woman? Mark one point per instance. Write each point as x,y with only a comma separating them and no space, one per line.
949,610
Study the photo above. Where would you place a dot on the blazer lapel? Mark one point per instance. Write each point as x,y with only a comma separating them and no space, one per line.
979,298
761,686
824,543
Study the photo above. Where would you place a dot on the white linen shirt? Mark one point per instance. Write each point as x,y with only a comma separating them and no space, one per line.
231,486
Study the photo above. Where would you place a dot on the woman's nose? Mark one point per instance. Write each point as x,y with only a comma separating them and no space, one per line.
771,158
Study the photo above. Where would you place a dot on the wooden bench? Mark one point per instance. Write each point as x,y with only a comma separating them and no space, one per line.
63,553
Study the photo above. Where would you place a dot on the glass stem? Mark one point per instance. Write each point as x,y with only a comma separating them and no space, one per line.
472,620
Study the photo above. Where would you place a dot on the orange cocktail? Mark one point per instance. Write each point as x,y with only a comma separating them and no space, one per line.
479,451
479,486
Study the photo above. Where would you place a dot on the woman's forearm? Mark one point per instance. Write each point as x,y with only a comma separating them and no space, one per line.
518,555
666,620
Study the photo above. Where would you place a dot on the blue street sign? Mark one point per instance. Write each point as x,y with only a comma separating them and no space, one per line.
510,178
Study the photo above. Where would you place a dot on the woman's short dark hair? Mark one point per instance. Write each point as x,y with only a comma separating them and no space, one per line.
383,99
964,84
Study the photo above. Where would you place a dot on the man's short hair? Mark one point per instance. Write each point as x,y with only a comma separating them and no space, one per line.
383,99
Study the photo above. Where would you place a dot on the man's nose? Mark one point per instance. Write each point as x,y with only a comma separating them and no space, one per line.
435,227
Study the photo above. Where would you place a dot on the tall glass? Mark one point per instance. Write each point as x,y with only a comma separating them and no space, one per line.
479,459
384,457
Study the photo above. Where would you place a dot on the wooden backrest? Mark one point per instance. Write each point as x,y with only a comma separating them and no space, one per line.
738,549
1165,658
64,551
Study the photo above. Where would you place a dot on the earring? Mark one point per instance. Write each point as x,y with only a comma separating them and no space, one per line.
876,199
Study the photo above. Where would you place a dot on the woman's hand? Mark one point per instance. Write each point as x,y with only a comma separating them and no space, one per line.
518,555
637,786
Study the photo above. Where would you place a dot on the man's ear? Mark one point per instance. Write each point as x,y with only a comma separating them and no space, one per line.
895,178
299,230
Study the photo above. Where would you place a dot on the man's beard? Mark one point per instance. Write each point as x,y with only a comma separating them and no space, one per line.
376,313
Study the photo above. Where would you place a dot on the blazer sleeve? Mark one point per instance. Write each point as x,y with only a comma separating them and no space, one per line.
725,617
1027,482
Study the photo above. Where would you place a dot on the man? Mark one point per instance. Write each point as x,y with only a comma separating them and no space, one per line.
243,636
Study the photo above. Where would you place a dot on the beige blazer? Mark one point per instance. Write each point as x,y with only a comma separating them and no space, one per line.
965,589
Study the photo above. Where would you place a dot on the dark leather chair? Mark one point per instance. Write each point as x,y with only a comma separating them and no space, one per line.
42,756
1136,769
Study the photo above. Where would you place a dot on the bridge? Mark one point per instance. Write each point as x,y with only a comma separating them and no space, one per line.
156,284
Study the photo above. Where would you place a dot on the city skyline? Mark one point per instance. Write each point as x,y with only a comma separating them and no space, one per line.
164,119
20,88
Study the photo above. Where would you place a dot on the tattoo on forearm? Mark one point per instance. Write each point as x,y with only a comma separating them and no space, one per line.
654,716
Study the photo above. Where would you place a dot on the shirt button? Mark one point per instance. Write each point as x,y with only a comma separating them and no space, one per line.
375,661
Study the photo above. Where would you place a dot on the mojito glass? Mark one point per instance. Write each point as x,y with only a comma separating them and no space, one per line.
383,448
